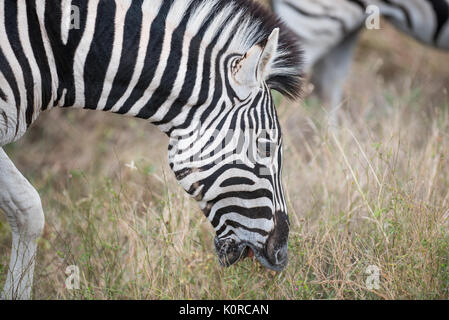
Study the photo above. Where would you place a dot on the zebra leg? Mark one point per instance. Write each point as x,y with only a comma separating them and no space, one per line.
22,206
330,72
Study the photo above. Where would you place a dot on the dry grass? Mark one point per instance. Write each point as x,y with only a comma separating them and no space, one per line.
374,192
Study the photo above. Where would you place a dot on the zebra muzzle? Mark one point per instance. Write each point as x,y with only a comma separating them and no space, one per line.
229,251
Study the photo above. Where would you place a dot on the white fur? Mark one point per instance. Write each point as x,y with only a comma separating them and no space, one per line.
82,52
66,8
120,16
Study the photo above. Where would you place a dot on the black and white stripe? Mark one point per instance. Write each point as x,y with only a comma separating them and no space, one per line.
201,70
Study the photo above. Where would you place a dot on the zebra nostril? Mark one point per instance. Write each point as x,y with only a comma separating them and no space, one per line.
282,256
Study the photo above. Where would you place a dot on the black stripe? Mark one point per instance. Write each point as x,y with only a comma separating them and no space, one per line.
217,129
10,78
236,225
37,44
154,50
163,92
190,78
99,56
211,179
130,50
244,195
12,32
441,9
236,181
252,213
52,24
227,234
3,96
205,84
64,54
218,81
263,114
218,86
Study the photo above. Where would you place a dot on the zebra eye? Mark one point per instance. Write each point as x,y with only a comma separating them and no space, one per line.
265,148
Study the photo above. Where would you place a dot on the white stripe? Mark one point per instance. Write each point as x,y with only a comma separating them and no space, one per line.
245,235
174,17
66,10
8,52
225,34
200,14
81,53
150,9
114,63
28,52
210,34
192,28
262,224
48,51
61,101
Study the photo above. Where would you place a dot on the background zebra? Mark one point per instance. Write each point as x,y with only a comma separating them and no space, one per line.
329,30
200,70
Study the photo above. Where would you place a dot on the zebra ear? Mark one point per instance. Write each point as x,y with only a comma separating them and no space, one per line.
255,65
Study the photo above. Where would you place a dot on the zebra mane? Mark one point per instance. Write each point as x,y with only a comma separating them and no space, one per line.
255,24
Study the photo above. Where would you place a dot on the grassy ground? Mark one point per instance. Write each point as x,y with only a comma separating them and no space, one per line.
374,192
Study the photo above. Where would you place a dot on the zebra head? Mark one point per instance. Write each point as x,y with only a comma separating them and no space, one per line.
231,163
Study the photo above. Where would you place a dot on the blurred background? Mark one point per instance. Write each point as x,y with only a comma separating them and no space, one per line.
375,192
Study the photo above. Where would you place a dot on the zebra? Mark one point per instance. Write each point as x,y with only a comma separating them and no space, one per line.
202,71
329,30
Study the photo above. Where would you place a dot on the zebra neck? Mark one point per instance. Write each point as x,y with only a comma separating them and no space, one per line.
159,71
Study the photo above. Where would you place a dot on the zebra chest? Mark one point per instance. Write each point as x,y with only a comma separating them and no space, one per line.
12,119
10,129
